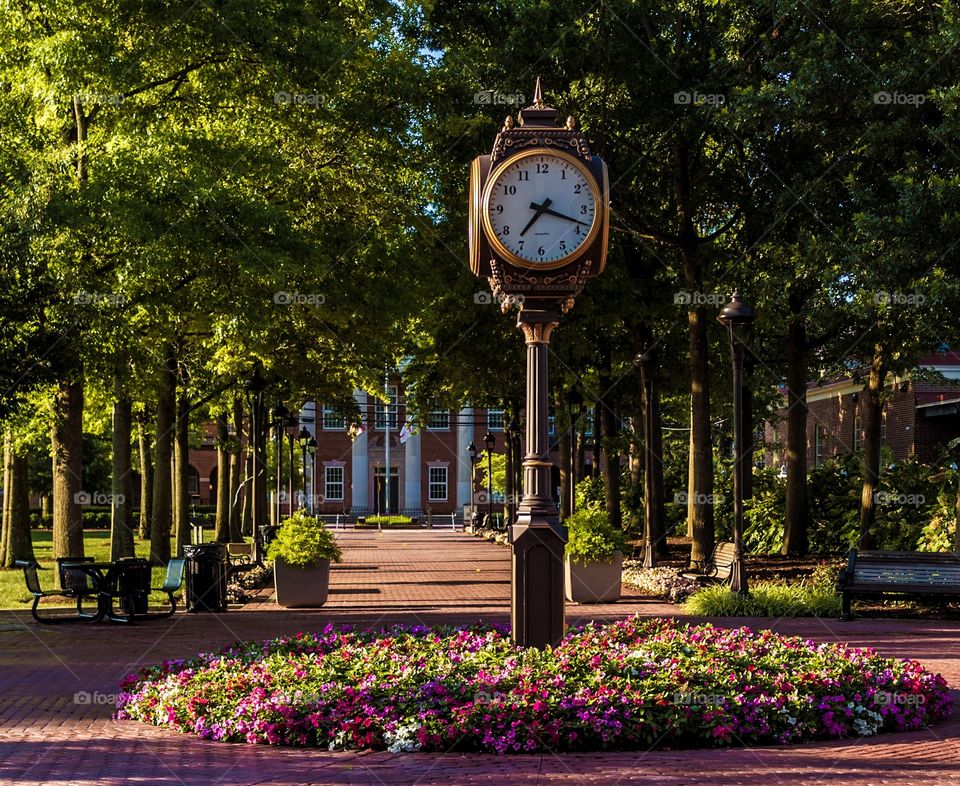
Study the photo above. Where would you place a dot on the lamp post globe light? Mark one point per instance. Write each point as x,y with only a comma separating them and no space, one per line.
254,388
538,223
737,315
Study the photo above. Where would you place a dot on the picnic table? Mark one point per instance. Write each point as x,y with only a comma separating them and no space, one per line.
126,580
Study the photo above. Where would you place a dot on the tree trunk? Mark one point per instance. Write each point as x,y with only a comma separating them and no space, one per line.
121,531
597,441
236,473
872,423
795,538
7,497
223,481
247,513
747,438
146,476
18,543
610,437
654,507
67,452
701,487
161,518
181,452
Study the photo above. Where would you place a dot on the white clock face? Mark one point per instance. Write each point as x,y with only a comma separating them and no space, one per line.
542,208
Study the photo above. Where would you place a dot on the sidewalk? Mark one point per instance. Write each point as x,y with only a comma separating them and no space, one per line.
55,722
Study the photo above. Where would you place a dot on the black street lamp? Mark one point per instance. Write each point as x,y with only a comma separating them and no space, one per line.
474,457
312,450
303,439
737,314
290,430
254,387
489,440
280,413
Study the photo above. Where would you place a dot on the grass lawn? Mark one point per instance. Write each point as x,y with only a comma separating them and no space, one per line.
96,544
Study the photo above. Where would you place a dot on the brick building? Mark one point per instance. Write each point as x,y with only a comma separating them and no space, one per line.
919,417
430,466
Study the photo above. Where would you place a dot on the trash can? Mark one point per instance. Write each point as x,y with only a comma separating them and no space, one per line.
134,584
206,576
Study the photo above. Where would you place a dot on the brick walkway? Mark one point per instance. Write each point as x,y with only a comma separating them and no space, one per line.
55,726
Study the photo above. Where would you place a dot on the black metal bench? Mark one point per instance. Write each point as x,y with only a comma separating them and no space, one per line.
718,567
881,574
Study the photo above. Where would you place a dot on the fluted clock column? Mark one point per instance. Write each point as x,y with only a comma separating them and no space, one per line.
537,537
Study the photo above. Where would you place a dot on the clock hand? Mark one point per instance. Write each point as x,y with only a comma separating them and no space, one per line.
561,215
540,211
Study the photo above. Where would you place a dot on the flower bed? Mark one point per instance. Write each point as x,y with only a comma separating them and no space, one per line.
633,684
662,582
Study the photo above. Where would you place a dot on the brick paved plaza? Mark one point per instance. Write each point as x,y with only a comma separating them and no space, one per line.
51,733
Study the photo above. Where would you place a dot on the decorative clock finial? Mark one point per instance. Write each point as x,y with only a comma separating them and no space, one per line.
537,95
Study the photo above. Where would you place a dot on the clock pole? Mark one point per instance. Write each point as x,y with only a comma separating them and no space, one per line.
544,284
537,536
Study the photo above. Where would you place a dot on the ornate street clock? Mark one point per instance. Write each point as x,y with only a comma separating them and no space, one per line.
539,217
539,209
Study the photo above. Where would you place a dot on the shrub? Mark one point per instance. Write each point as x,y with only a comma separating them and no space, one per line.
386,521
303,541
815,596
592,538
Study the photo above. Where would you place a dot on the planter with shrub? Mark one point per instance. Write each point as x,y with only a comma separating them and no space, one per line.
302,551
594,556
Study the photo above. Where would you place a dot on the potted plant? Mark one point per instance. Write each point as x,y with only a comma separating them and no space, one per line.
594,556
302,551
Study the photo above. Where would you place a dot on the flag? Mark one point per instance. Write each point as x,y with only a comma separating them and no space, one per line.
406,432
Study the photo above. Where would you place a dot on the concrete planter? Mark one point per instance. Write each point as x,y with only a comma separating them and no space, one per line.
299,588
595,582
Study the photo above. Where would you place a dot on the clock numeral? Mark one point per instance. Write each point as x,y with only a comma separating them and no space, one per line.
577,229
499,209
521,244
511,190
543,169
522,175
563,174
583,210
563,245
541,251
505,231
576,188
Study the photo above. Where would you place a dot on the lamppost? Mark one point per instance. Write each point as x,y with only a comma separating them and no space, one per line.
489,441
575,405
474,457
290,430
255,386
312,450
303,439
280,413
737,314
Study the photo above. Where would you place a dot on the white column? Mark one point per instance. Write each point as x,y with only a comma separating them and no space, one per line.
411,473
464,438
359,464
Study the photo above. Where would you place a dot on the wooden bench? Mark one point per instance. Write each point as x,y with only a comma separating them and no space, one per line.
880,574
718,567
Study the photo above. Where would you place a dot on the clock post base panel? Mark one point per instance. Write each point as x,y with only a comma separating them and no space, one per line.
536,598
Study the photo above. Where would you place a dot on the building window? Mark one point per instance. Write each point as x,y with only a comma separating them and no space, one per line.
857,426
381,411
819,437
883,427
333,483
193,481
494,420
439,420
552,426
332,421
438,484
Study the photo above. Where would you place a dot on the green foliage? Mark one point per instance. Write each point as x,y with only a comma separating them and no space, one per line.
763,513
815,596
589,491
303,541
385,521
592,538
